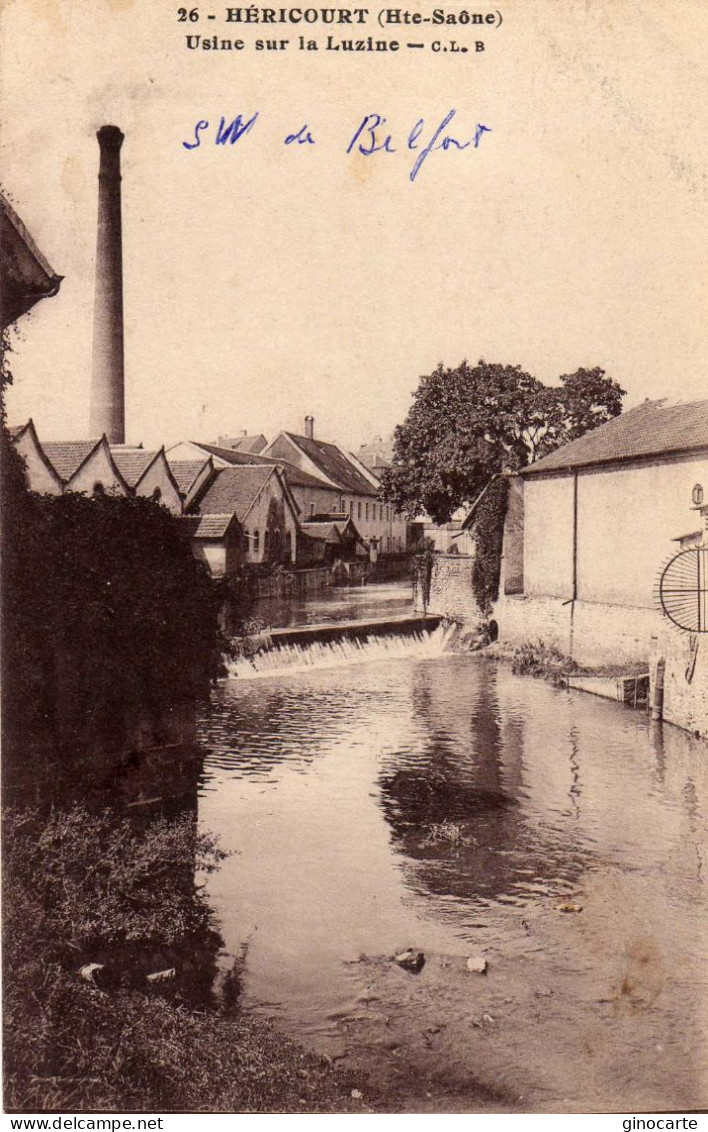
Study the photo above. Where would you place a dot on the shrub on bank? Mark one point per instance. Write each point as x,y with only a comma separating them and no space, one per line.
536,658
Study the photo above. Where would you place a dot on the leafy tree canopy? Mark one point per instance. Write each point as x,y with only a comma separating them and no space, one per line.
469,423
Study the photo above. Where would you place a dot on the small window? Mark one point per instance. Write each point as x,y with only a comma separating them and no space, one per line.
312,509
358,512
367,510
157,494
256,541
98,488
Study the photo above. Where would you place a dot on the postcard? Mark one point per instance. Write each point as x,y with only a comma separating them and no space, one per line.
355,434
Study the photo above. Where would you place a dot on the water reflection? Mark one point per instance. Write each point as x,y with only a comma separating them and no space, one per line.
333,787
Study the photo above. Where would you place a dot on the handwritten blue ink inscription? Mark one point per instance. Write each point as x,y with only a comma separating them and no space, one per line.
371,136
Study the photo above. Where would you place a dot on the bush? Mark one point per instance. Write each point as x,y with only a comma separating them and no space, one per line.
107,617
535,658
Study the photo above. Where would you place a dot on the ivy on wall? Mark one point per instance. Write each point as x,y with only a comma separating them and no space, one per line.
488,533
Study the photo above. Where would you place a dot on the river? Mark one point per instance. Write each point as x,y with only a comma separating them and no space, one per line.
440,803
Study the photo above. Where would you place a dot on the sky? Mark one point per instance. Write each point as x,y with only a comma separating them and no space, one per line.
264,282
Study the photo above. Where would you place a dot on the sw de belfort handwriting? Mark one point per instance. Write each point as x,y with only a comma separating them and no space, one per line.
371,135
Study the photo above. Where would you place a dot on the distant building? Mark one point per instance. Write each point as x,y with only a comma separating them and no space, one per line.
326,539
377,455
243,443
325,497
589,528
358,490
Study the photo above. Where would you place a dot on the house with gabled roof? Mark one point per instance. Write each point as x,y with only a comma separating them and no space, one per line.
359,491
311,493
259,498
589,529
326,539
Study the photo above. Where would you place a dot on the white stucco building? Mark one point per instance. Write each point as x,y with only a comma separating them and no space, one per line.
590,528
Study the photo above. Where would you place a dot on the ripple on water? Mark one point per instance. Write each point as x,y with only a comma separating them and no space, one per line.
451,807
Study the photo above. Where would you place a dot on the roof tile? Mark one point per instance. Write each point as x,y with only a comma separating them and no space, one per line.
66,456
651,429
334,465
233,490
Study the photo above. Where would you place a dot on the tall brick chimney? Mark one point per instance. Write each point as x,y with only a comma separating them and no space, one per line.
107,378
310,428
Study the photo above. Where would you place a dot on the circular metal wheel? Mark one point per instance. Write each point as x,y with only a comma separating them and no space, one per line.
683,590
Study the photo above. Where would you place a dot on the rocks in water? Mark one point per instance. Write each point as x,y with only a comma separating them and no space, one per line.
162,976
569,906
477,965
410,960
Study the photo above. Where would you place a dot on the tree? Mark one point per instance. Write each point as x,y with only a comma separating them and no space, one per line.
469,423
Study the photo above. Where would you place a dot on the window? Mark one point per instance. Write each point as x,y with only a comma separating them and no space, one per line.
256,541
312,509
157,494
358,512
98,488
367,510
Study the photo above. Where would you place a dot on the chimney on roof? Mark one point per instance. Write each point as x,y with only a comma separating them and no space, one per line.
107,376
310,428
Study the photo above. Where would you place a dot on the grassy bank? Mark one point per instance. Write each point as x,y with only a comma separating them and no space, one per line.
83,888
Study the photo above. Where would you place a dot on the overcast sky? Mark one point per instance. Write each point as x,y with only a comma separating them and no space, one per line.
264,281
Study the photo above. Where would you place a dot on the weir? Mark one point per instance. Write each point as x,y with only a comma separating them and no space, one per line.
405,625
328,646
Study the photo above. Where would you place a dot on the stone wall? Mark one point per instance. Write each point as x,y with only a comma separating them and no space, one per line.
685,657
451,593
590,632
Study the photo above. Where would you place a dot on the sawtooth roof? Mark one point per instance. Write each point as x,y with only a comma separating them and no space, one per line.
132,464
333,463
185,472
67,456
654,428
